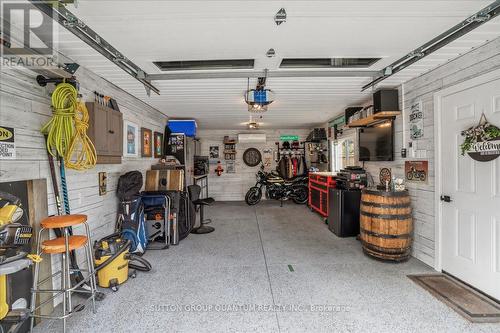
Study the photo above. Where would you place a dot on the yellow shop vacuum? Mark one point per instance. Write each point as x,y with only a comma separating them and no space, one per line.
114,263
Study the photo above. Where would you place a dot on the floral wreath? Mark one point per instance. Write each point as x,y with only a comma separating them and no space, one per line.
484,131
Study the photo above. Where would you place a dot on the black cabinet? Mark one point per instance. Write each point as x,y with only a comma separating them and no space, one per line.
343,212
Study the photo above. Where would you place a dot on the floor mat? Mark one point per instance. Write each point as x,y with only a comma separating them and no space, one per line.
469,303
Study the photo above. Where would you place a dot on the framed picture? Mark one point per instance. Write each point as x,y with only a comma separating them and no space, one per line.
146,142
158,144
131,142
417,171
230,167
214,152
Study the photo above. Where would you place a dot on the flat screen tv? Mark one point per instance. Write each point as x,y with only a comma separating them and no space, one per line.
377,143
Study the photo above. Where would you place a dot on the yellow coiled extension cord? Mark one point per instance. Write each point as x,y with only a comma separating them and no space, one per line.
67,129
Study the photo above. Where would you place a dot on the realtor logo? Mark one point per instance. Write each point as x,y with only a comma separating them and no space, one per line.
26,32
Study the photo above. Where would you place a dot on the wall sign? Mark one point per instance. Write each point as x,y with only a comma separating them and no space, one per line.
146,142
339,121
103,183
158,144
214,152
7,143
417,171
289,138
482,142
416,121
230,166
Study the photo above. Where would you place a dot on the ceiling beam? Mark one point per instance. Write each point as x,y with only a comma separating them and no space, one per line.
239,74
450,35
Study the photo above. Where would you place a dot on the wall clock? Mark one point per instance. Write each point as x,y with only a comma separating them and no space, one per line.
252,157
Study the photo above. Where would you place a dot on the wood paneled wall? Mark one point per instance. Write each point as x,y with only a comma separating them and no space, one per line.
472,64
25,106
233,186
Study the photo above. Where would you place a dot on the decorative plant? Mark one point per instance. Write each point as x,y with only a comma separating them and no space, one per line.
482,132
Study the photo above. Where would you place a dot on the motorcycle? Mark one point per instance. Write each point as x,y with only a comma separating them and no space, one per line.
278,188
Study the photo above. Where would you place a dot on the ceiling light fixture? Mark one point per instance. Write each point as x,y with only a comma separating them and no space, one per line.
259,98
253,125
257,108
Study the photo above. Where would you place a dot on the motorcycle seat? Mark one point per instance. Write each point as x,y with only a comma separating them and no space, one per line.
294,178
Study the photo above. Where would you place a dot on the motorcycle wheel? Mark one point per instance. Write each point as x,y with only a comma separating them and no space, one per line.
253,196
301,195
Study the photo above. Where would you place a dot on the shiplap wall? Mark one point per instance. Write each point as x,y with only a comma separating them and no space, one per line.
25,106
474,63
234,186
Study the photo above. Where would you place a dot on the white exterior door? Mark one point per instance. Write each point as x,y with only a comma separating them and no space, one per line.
470,223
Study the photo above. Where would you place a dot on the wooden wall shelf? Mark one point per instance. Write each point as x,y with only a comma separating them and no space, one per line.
365,122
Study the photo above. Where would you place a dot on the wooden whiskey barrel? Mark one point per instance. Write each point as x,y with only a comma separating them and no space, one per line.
386,224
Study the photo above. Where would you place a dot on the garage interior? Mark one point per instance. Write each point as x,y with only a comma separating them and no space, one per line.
250,166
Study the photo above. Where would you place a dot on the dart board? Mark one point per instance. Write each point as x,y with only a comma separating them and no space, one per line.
385,175
252,157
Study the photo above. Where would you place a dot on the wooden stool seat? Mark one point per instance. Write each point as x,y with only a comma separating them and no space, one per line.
63,221
57,245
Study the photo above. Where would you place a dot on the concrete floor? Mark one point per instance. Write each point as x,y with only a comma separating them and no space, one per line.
197,285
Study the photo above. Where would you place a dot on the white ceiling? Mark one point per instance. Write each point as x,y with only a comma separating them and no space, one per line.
147,31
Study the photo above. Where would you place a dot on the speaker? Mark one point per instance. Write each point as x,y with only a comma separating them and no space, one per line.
386,100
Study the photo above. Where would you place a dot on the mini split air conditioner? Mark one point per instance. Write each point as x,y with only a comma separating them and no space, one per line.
251,138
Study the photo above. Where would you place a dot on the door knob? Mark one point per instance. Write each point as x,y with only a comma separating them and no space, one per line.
446,198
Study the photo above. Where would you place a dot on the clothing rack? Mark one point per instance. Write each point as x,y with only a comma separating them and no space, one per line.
291,151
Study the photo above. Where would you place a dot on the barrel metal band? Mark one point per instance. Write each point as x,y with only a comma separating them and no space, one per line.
387,216
378,205
385,236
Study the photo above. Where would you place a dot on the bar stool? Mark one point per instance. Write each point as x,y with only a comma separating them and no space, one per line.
63,246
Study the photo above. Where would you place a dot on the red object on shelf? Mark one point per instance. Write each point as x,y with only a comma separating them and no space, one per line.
319,189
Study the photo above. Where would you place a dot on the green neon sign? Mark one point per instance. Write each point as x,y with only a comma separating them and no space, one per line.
289,138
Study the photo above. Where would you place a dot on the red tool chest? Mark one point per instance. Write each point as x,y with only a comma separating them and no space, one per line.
320,184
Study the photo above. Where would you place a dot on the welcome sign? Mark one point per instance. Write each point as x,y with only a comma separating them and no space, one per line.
485,151
7,143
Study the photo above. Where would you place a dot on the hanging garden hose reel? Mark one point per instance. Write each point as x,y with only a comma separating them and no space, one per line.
66,131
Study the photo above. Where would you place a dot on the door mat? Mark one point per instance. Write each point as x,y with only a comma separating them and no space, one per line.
466,301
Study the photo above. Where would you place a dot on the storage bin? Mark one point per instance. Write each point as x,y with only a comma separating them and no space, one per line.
187,127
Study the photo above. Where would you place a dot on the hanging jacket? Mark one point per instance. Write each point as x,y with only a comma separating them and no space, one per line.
282,167
295,164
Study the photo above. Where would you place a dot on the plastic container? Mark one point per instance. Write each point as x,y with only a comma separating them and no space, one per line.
187,127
